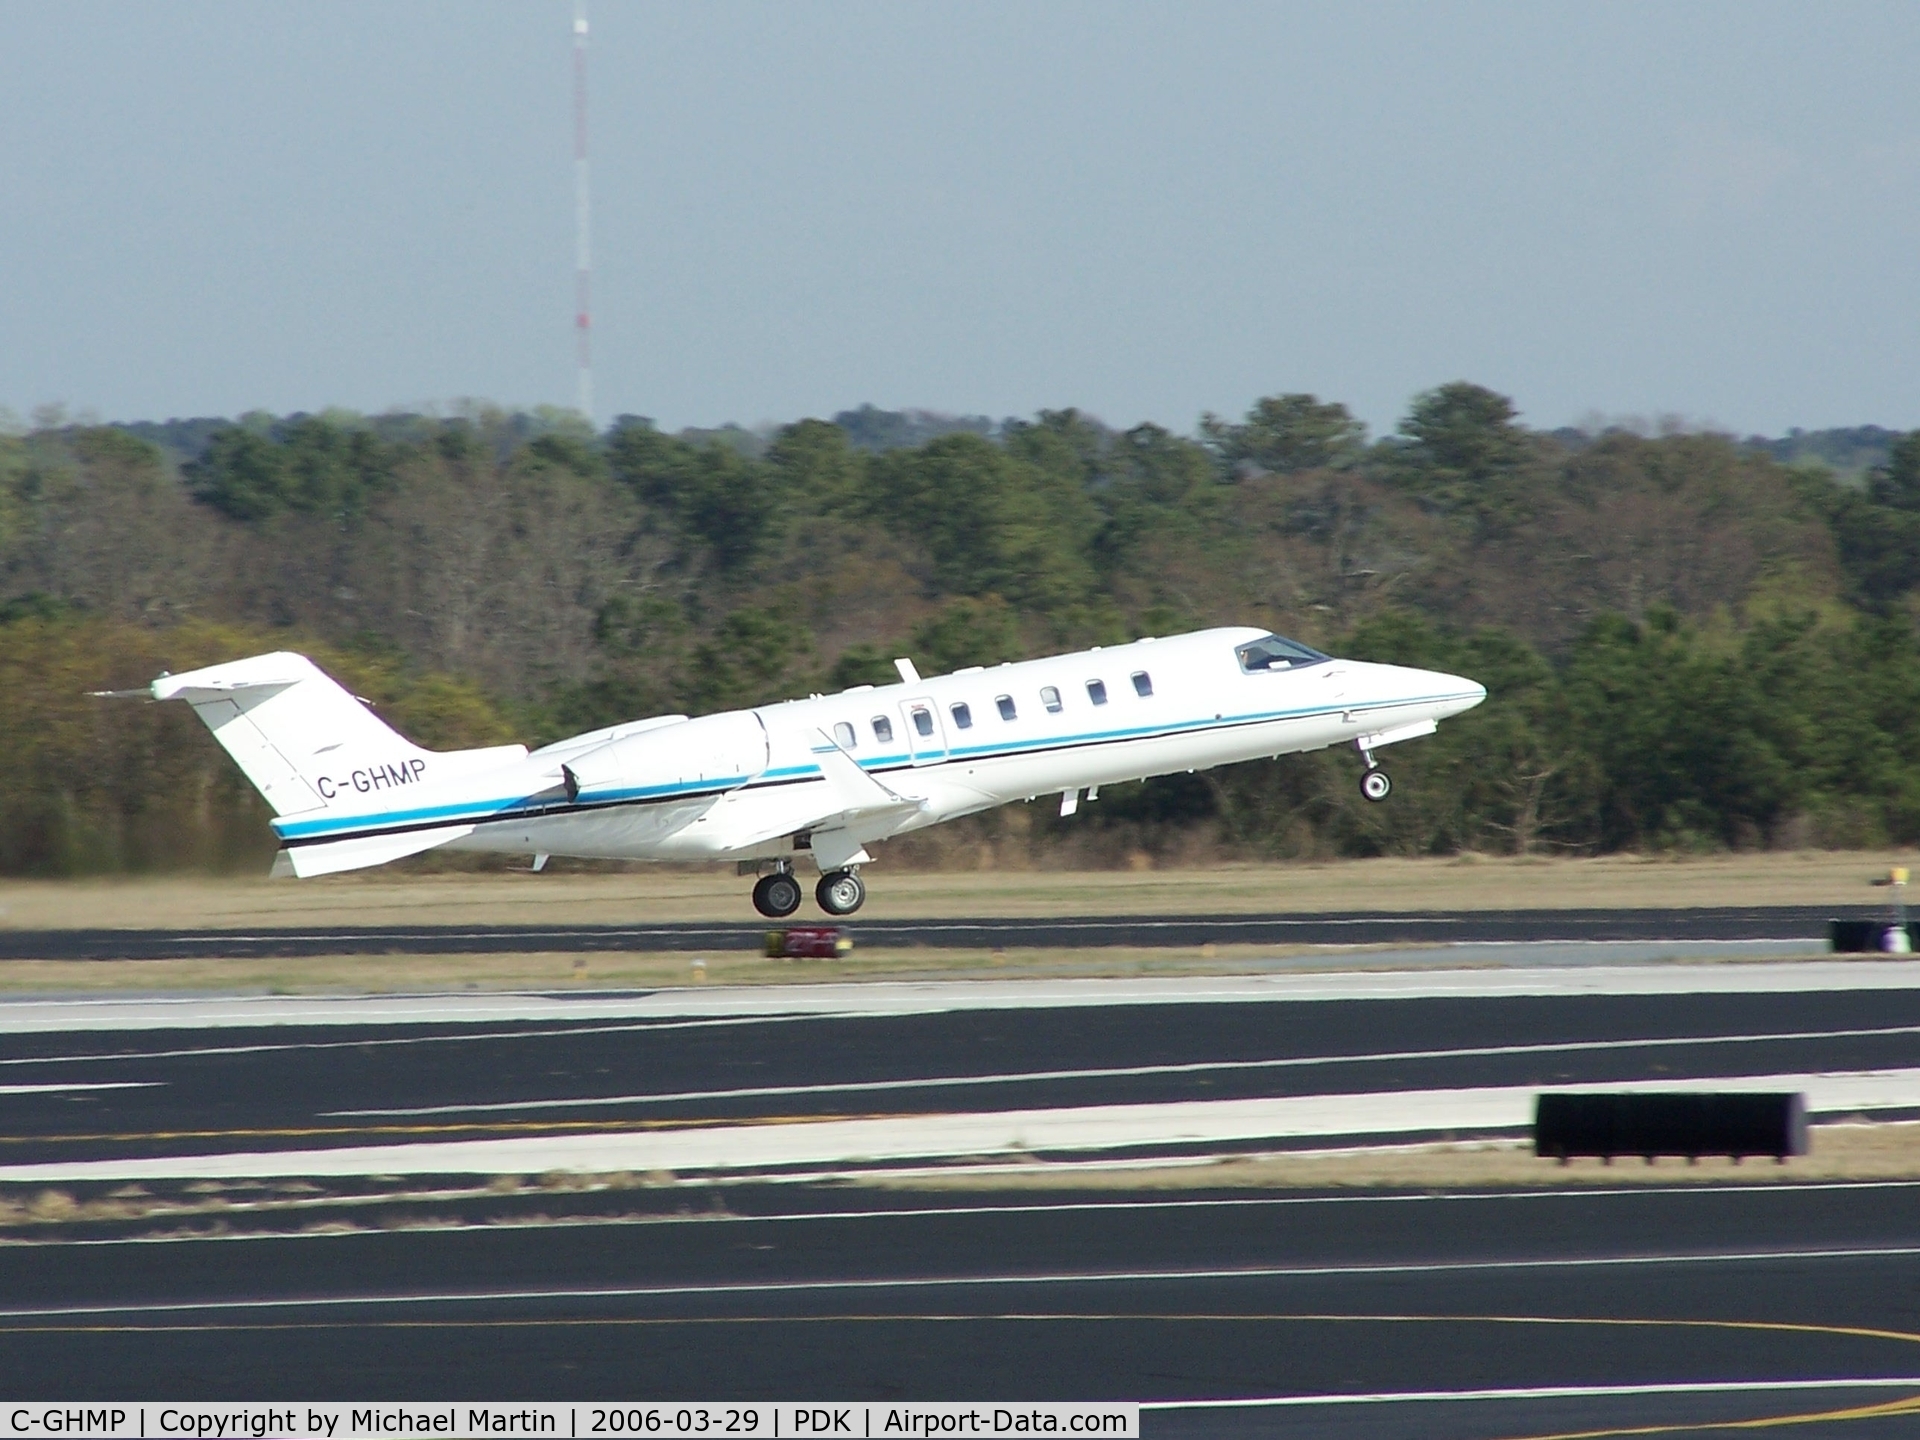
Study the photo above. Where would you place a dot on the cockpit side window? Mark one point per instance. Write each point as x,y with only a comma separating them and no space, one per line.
1275,652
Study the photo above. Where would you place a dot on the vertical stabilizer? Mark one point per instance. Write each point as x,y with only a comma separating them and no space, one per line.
305,742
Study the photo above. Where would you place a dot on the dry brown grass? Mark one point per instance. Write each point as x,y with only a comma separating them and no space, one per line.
1849,1152
648,895
1840,1152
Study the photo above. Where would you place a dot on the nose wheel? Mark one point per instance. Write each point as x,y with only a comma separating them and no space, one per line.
777,896
1374,784
840,892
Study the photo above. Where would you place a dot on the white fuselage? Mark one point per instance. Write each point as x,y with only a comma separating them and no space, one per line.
831,773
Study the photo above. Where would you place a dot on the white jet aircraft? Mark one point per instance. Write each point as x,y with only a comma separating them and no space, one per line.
823,777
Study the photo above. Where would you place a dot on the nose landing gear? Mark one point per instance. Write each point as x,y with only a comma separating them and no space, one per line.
1374,782
840,892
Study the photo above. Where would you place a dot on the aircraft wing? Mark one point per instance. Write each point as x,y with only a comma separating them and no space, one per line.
852,788
851,797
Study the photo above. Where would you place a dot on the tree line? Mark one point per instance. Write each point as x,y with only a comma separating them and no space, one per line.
1689,641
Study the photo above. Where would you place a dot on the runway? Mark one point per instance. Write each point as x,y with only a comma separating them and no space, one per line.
403,1197
1555,1310
769,1080
1381,928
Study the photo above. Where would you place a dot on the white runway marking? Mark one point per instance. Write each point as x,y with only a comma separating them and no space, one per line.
1126,1072
803,1141
1548,1392
938,997
920,1282
461,1037
78,1085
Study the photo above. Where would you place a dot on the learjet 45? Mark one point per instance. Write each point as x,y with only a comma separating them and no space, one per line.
821,778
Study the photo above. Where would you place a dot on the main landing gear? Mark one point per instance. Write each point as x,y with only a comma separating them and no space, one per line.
1374,782
840,892
777,896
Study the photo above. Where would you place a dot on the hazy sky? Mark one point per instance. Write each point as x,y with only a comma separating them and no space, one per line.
1145,210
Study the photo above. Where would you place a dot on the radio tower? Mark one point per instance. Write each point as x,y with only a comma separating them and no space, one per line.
582,219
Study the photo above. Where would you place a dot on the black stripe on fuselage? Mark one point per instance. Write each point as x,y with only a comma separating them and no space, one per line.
549,812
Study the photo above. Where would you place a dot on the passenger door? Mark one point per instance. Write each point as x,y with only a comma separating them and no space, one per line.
926,737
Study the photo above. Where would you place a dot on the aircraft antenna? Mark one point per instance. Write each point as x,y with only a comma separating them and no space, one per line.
582,218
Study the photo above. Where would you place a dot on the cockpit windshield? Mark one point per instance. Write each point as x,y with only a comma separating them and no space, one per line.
1275,652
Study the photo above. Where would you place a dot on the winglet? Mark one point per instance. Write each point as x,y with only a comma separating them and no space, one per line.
908,674
851,787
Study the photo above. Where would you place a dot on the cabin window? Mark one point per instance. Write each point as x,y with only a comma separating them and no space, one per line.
1274,652
1097,691
922,721
883,729
1050,698
1142,684
962,716
843,736
1007,710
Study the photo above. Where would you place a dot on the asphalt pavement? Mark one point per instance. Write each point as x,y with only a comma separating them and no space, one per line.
1558,1309
97,1094
1373,1313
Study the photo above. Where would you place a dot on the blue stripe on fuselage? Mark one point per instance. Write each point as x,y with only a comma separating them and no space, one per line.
504,809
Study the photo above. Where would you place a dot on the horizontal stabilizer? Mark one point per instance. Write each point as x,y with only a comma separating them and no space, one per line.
278,671
329,857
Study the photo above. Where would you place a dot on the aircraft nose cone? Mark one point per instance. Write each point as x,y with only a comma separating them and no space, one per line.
1451,694
1472,693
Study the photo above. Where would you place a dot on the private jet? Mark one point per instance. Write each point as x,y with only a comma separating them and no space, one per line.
821,778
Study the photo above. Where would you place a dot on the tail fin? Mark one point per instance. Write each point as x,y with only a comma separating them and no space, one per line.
308,745
282,719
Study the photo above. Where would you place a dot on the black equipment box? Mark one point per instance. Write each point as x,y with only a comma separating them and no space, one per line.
1690,1123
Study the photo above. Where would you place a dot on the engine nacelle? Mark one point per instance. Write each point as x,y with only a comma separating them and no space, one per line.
711,754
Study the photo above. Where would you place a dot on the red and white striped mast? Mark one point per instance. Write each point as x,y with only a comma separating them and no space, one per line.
582,218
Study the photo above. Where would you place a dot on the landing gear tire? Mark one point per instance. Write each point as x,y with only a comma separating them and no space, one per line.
1375,785
840,892
776,896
